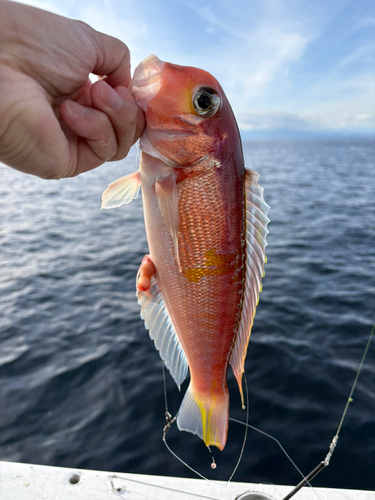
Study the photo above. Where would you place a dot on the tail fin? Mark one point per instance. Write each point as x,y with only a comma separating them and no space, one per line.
207,417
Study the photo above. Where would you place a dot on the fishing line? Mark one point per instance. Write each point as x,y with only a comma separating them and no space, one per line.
332,446
306,479
350,398
271,437
245,435
125,489
249,426
191,468
170,421
165,390
335,439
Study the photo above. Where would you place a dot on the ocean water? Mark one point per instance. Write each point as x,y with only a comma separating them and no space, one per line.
81,383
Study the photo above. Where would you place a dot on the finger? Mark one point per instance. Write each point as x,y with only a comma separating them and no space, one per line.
140,116
93,126
126,116
83,95
112,58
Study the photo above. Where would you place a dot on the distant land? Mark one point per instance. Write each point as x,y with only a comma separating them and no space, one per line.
303,134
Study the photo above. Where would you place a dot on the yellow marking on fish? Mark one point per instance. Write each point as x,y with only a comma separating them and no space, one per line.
215,264
208,438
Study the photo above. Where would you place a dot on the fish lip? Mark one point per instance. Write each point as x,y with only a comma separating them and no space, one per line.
146,81
147,71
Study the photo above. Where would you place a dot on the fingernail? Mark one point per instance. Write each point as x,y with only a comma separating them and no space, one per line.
75,108
110,97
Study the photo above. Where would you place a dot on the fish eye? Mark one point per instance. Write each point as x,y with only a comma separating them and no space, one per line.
206,101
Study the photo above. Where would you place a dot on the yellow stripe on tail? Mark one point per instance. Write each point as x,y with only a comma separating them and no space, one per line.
205,415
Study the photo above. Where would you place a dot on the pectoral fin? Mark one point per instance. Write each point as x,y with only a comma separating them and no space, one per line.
166,194
122,191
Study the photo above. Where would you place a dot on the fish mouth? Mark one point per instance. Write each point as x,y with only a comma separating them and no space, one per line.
144,86
146,81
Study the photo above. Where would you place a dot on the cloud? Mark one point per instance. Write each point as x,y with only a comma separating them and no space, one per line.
336,119
365,52
368,22
282,63
270,120
279,50
258,45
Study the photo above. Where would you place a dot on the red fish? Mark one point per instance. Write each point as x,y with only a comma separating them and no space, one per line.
206,223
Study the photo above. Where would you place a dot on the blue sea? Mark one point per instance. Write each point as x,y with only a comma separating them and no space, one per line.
81,384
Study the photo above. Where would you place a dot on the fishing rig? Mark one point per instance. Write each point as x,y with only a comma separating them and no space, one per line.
306,479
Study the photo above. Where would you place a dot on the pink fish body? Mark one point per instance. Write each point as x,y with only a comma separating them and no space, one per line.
206,224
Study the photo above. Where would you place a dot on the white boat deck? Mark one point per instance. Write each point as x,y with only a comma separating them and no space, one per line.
36,482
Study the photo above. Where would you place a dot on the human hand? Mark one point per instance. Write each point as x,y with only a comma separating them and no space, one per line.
54,122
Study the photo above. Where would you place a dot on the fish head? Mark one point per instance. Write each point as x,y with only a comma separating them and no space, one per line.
187,113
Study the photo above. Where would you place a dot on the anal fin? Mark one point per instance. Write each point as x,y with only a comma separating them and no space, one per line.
162,332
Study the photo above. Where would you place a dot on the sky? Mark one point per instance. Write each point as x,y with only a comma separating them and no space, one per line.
286,65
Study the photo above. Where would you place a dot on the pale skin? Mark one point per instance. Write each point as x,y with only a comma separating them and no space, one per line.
54,122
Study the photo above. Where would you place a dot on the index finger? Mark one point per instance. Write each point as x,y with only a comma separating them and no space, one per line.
112,59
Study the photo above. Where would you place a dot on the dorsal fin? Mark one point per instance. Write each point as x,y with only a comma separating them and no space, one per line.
256,232
157,321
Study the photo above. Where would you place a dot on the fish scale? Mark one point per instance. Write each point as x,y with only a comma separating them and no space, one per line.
204,229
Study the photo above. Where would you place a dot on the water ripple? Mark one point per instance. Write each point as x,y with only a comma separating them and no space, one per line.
80,380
